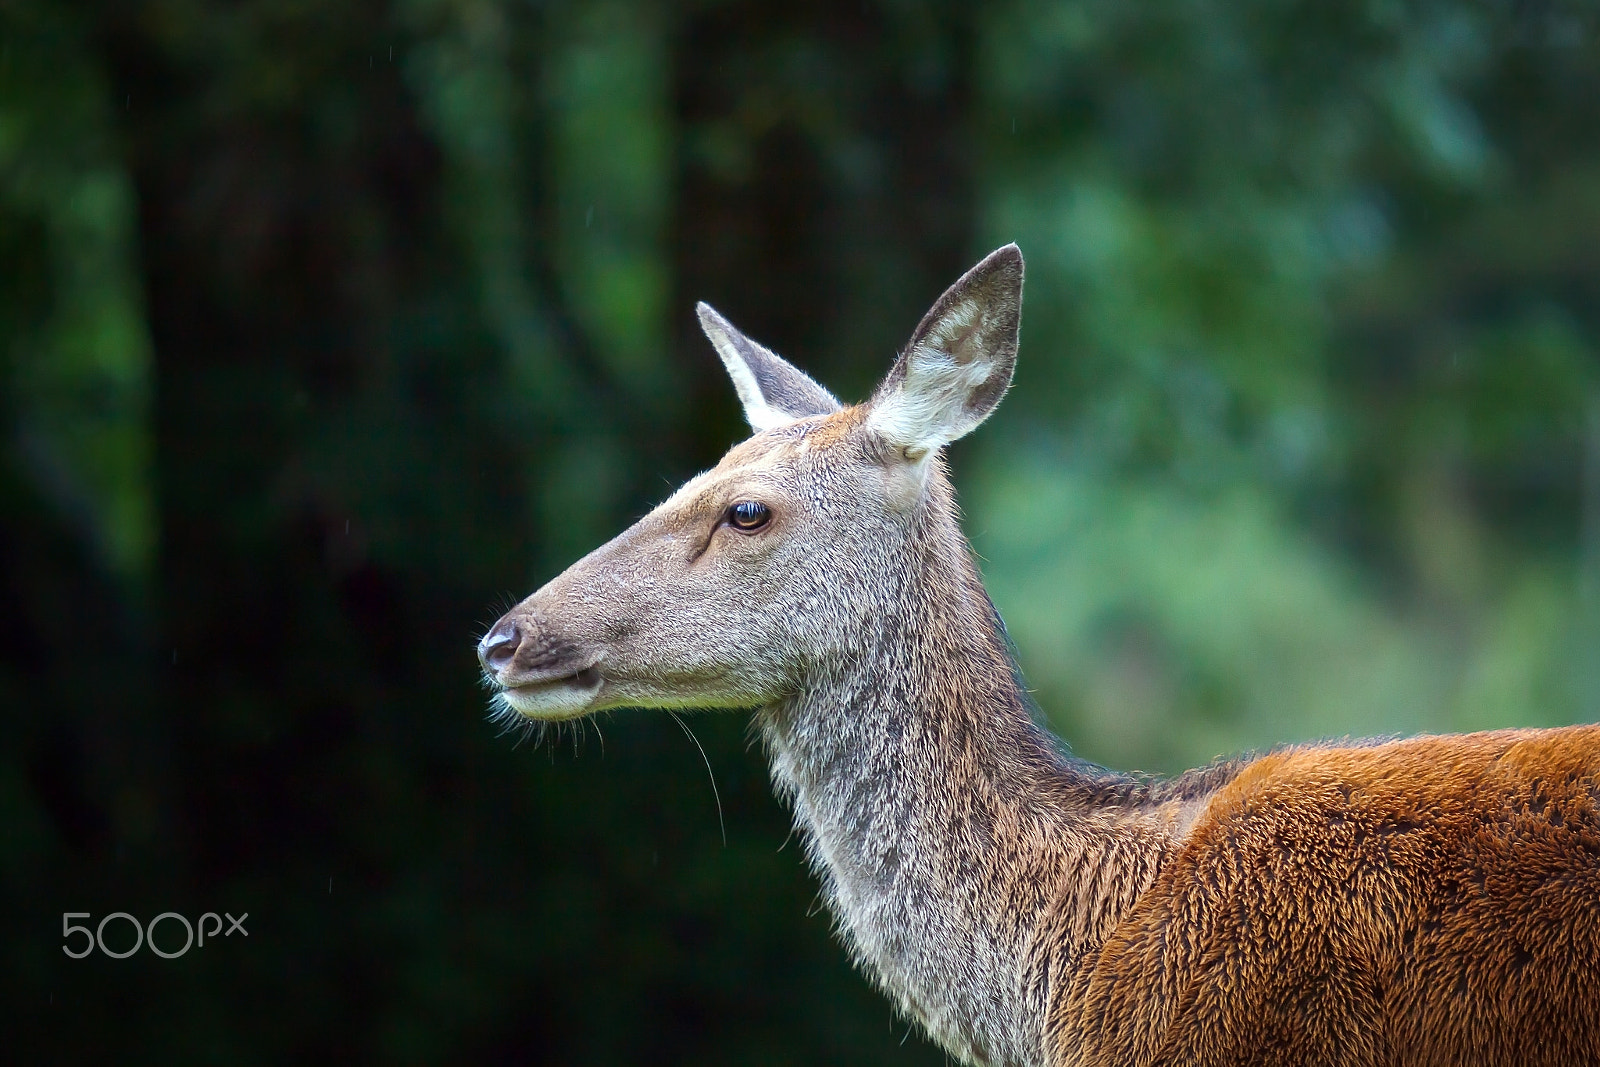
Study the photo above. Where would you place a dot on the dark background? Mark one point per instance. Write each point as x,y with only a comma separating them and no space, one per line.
330,329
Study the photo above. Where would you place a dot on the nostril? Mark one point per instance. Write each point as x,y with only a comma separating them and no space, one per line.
499,646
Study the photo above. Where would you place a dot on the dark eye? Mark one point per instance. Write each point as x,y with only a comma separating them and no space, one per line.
748,515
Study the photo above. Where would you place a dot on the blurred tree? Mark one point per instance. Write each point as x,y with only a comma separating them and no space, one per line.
1306,383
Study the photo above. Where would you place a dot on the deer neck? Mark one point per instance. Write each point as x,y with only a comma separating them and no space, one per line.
963,856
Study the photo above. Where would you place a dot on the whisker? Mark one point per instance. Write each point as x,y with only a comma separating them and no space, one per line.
506,718
716,795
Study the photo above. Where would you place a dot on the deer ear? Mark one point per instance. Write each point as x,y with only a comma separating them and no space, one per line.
772,390
959,362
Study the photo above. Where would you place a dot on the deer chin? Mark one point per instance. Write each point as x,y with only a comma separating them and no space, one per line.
553,699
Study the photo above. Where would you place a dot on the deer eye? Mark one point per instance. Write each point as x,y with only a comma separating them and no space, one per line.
748,515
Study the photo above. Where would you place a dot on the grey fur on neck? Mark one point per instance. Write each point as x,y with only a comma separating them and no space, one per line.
959,850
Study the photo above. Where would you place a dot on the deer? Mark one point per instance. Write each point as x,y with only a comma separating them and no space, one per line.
1427,900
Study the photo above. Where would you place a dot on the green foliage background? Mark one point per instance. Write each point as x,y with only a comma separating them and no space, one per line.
329,329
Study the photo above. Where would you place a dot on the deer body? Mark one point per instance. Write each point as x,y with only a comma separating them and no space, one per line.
1430,901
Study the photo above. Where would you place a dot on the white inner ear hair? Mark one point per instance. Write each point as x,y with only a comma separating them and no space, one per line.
760,414
928,408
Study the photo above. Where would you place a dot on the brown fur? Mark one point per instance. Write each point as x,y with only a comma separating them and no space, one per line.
1427,901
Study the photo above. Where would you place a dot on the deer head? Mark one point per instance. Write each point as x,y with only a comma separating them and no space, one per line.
781,563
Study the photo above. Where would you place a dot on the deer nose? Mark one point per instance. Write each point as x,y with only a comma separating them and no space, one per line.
499,646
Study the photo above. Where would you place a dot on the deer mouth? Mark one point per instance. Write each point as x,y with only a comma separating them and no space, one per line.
553,696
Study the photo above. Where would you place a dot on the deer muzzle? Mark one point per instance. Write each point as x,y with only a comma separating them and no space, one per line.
536,672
